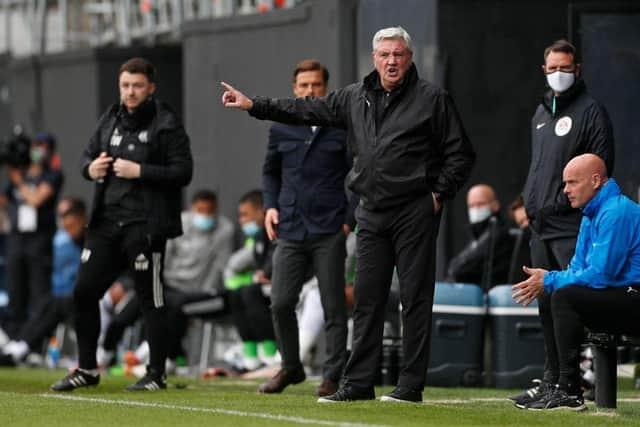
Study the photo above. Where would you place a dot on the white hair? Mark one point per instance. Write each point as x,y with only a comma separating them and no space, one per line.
393,33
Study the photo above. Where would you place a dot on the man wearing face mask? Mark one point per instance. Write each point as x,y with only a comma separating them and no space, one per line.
485,259
139,159
30,196
568,122
248,281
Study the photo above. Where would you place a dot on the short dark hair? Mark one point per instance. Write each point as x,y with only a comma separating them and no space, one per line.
310,65
254,197
206,196
77,207
139,65
563,46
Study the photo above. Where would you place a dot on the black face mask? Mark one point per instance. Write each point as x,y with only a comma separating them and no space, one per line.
478,228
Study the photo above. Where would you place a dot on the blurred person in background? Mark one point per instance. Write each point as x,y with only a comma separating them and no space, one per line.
67,246
30,198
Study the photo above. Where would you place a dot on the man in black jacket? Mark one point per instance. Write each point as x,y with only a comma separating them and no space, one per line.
410,154
567,123
303,178
139,159
486,258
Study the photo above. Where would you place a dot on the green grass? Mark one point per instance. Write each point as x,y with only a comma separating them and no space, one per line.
26,401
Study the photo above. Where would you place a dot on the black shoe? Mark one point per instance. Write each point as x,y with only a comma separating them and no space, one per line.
533,394
348,394
283,378
404,395
75,380
150,382
559,399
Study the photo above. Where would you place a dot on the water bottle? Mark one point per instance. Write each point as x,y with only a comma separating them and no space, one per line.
53,354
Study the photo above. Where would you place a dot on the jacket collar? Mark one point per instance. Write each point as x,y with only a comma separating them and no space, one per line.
608,191
372,81
565,99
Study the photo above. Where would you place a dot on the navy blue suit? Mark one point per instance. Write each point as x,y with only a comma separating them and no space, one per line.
303,178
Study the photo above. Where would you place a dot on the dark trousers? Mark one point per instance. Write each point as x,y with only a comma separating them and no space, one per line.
43,322
552,254
403,237
29,264
251,313
291,261
611,310
177,320
109,249
126,317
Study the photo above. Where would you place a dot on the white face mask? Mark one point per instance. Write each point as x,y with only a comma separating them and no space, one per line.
560,81
477,215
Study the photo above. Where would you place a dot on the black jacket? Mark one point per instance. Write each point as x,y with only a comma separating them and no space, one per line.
419,147
580,125
303,177
486,258
166,168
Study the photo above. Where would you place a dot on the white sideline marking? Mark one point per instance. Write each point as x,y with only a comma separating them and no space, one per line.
298,420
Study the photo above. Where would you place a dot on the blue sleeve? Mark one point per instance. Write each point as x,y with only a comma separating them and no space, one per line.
607,254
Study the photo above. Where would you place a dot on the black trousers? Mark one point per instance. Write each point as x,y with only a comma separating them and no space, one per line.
251,313
403,237
109,249
611,310
291,261
552,254
29,265
44,321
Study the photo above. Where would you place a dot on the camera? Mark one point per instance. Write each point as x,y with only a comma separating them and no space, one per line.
15,152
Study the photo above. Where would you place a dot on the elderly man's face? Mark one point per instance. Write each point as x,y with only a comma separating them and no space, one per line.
579,186
392,59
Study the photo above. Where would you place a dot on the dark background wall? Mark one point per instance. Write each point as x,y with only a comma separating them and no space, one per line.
257,55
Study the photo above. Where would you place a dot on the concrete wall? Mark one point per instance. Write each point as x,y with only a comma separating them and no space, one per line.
256,54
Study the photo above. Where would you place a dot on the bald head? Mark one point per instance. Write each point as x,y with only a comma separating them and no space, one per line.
583,177
481,202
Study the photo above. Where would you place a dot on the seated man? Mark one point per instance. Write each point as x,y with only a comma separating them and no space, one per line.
600,289
248,280
485,259
67,247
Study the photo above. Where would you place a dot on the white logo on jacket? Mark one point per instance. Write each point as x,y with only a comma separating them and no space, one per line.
86,254
141,263
563,125
116,138
143,136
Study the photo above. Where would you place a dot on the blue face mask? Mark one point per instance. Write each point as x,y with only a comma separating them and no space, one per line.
250,229
203,222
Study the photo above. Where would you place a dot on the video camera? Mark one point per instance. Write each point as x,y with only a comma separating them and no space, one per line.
15,152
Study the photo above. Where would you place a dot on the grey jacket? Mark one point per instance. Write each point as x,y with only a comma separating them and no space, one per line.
195,261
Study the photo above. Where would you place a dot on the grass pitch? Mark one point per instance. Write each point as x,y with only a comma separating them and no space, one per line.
25,400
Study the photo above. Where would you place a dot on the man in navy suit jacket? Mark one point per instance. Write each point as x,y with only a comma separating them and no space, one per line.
309,214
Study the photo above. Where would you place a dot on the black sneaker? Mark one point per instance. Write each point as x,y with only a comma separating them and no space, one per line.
533,394
150,382
76,379
348,394
559,399
403,395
